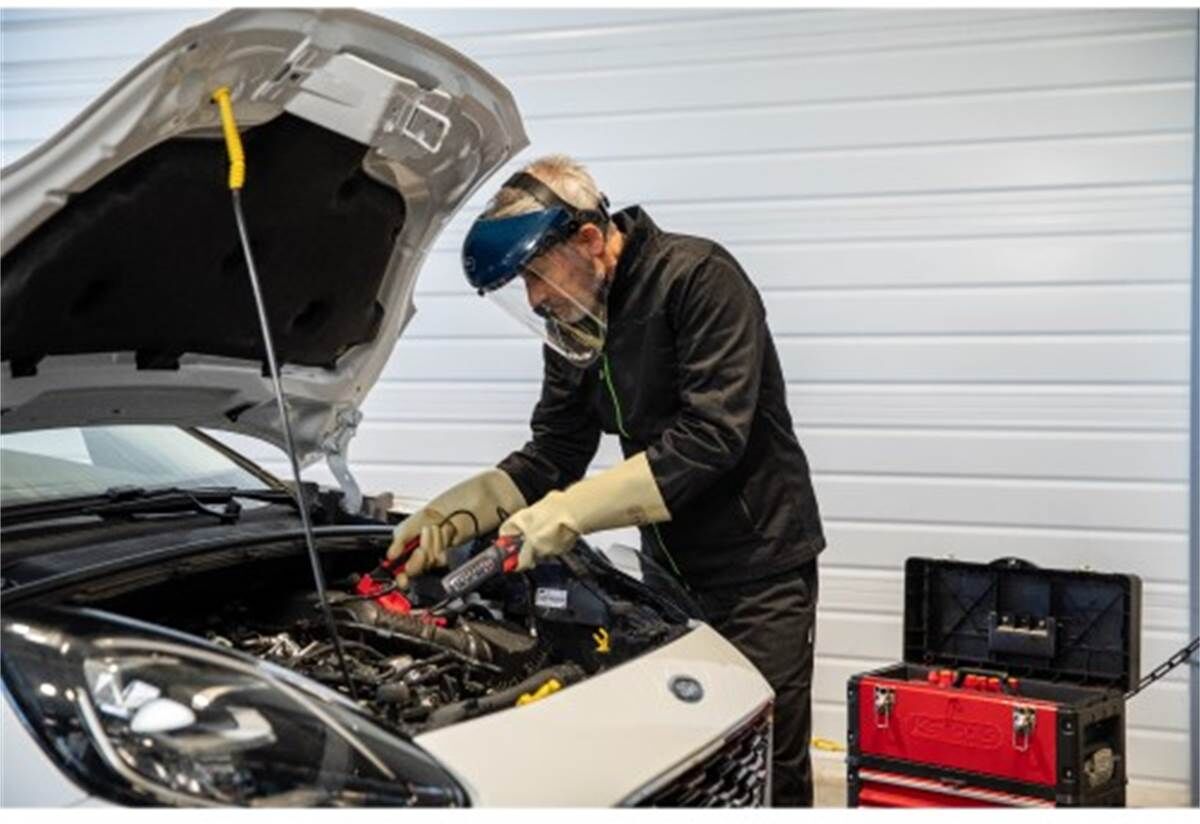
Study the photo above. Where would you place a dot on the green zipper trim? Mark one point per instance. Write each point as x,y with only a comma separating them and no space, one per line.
662,545
612,393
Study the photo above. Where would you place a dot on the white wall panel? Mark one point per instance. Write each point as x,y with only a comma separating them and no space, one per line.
866,73
1116,309
1005,406
971,230
1135,359
1117,256
972,453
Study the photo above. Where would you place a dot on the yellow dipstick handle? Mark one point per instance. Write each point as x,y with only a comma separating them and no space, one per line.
233,140
549,688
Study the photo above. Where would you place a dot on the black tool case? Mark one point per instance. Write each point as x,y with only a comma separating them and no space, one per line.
1011,691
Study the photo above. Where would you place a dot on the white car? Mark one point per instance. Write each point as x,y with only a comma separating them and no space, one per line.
162,642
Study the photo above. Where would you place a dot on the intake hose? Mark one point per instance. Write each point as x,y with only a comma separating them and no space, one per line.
368,615
566,674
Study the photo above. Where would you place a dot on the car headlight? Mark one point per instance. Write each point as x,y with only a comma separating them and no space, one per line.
144,717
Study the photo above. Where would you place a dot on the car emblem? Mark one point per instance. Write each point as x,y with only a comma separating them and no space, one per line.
686,688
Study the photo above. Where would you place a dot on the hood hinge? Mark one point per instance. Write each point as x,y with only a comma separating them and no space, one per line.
336,447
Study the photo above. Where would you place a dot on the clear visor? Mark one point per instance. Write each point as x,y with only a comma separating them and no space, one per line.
562,299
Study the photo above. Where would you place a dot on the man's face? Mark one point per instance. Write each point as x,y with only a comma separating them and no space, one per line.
563,282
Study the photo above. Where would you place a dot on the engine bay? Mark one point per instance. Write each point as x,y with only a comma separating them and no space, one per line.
519,639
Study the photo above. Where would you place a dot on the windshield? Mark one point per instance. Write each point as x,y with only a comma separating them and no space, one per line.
79,461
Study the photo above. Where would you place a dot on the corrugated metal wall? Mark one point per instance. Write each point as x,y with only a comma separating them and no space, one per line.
971,229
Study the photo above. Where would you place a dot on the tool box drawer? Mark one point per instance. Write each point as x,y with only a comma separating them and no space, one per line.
881,788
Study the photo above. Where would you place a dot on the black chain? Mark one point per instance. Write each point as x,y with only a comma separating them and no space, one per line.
1165,667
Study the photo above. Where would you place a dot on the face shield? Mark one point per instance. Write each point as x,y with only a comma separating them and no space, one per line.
559,297
527,265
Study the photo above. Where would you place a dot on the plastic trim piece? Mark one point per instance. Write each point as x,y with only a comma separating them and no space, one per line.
653,786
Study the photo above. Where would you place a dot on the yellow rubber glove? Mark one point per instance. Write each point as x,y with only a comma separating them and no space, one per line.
439,528
625,495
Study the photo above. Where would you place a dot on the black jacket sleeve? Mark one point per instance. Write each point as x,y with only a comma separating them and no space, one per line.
721,341
566,433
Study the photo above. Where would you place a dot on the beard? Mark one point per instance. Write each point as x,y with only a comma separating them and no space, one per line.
580,296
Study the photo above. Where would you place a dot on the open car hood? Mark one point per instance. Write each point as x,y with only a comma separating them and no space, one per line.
124,291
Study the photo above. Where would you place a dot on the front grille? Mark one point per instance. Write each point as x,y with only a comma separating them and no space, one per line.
735,775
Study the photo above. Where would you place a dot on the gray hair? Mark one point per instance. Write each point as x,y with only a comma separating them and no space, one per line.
565,176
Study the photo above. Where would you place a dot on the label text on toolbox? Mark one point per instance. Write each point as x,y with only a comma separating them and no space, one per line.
951,731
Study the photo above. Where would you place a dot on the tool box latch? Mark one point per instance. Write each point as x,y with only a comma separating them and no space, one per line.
1023,721
885,699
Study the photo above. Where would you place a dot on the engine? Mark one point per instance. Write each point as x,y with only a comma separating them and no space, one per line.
518,639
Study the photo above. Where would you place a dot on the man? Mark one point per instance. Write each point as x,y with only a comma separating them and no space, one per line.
661,339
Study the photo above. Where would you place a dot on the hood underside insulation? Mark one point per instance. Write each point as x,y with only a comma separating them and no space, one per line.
148,260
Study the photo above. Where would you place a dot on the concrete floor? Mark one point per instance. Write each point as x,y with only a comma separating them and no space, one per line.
829,779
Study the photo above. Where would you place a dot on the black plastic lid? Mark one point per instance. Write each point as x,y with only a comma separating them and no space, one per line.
1011,616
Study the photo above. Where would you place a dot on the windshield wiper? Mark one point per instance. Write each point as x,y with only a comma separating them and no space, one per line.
220,493
136,500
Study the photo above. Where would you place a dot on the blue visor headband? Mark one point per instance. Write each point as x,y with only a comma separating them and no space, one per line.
496,250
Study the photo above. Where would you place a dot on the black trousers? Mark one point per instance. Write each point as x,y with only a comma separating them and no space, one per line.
773,623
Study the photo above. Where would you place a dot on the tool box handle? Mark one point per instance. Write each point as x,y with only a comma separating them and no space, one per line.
986,673
1012,562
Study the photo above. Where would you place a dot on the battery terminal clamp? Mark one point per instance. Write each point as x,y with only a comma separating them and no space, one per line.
1024,719
885,700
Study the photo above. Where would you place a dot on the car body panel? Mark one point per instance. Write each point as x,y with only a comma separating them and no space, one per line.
584,746
432,124
29,777
600,741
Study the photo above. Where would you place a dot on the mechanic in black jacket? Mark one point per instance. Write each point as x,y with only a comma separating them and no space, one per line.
661,339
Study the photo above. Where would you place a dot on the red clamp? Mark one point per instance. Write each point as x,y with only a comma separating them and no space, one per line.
374,584
511,545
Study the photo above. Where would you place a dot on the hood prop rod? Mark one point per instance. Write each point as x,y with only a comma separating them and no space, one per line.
237,178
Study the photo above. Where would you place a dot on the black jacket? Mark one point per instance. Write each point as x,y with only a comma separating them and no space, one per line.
690,375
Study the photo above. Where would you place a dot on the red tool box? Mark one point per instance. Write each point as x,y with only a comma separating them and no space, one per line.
1011,692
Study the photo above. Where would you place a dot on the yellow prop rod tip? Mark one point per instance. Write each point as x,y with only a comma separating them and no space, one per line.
233,140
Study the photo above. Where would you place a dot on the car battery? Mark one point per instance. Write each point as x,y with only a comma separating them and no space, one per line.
1011,691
